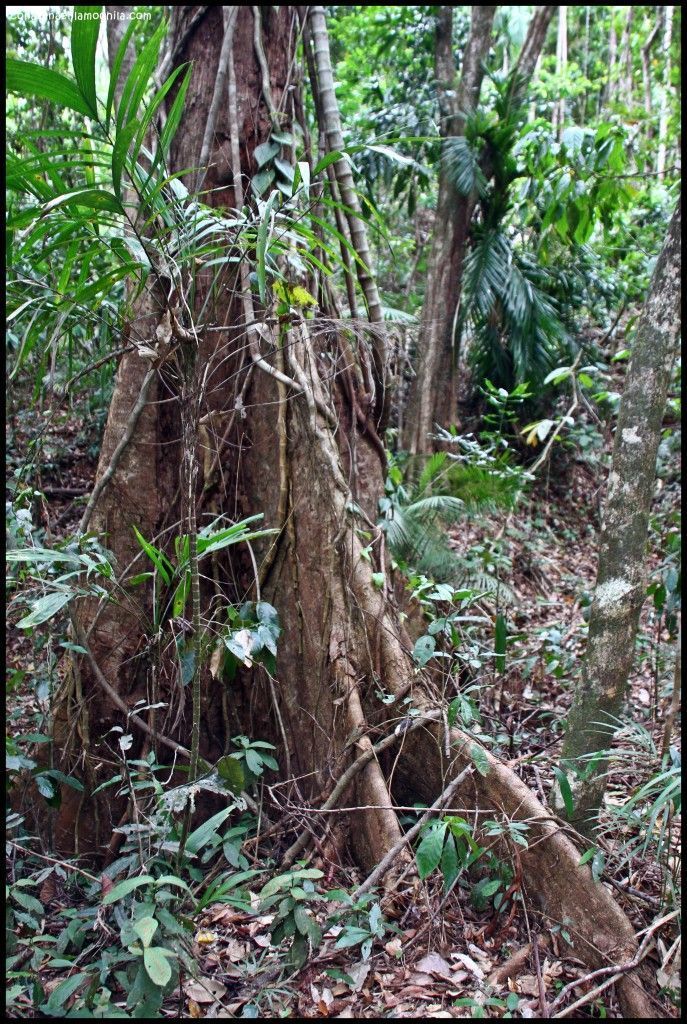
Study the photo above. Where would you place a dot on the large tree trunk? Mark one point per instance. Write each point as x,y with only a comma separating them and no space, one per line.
620,585
283,439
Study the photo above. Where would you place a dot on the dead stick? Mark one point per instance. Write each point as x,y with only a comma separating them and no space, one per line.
388,859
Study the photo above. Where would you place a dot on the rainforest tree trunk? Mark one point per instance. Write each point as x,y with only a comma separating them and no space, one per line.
433,394
432,397
278,433
620,584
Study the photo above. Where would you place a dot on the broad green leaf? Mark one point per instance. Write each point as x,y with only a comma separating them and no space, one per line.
480,759
61,993
171,880
265,152
424,649
156,962
85,31
231,772
598,864
145,929
566,791
44,608
28,80
124,888
198,839
174,116
282,881
449,862
428,853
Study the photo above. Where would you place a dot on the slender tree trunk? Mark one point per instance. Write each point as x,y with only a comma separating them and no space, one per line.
665,95
561,67
626,60
646,73
335,142
620,584
612,86
432,397
434,392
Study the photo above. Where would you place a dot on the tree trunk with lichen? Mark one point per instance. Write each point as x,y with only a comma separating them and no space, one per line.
300,453
620,584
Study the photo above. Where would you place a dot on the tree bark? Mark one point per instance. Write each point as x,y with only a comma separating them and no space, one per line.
317,24
665,95
620,584
432,397
303,459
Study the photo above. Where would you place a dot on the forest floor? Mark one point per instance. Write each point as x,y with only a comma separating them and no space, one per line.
430,962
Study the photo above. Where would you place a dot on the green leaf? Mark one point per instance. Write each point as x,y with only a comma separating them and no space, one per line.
480,759
158,558
44,608
198,839
171,880
264,153
145,929
92,198
231,772
566,792
116,68
428,853
85,31
598,864
449,862
124,888
31,80
157,965
60,994
261,245
330,158
424,649
282,881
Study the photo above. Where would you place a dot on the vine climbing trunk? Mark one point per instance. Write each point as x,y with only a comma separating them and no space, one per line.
316,25
265,411
620,584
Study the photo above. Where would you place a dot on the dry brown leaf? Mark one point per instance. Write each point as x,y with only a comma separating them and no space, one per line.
204,938
468,962
235,951
358,973
432,963
393,947
206,991
194,1009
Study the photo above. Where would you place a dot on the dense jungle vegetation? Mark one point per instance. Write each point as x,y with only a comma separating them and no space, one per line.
343,511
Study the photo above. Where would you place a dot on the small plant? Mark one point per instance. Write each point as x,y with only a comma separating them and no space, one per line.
291,893
362,922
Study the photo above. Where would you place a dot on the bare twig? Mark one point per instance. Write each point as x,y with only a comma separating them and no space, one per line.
387,860
53,860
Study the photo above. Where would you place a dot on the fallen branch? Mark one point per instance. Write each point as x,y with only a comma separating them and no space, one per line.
344,782
386,861
615,971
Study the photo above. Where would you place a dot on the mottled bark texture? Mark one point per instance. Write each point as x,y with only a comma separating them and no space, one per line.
620,584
